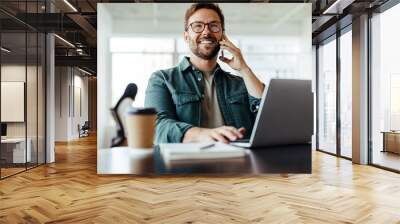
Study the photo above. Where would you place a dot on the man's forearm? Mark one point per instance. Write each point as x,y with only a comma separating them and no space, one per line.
191,135
254,86
170,131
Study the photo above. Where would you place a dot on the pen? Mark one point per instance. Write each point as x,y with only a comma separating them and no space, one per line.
207,146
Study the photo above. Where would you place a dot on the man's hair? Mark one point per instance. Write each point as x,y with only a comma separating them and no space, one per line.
196,6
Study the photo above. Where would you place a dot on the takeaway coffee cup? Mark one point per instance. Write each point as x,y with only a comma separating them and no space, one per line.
140,125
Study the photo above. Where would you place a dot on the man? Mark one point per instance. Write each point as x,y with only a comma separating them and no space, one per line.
198,101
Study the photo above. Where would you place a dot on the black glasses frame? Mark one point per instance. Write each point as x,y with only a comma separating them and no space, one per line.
207,24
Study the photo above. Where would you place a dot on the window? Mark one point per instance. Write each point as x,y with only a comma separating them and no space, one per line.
385,88
346,94
134,59
327,97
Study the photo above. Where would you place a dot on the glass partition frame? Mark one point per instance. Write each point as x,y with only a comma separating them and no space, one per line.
30,57
335,150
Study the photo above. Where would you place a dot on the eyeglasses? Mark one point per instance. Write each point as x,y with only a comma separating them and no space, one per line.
198,27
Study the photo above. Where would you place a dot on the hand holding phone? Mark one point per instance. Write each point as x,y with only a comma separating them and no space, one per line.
234,58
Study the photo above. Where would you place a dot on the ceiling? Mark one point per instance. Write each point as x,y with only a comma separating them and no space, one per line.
76,21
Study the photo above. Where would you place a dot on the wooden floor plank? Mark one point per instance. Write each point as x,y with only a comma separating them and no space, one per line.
70,191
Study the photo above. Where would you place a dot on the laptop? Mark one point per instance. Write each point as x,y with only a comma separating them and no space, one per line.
285,116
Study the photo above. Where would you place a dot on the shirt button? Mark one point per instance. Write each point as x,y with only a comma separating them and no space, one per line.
199,79
257,106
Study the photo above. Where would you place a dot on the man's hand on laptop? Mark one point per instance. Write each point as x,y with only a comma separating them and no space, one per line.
223,134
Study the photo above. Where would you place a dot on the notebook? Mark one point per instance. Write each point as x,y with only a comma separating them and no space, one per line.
188,151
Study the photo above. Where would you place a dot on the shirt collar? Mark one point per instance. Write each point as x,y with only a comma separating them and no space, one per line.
185,64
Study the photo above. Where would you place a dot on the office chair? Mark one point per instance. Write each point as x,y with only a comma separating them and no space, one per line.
118,111
84,130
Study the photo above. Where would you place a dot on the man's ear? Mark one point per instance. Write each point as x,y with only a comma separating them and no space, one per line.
186,36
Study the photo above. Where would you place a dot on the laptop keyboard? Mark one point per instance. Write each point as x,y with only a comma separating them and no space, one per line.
242,140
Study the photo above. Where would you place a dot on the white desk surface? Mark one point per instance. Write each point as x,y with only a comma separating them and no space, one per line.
13,140
121,160
19,152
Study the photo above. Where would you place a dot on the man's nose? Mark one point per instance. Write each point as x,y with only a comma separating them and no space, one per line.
206,29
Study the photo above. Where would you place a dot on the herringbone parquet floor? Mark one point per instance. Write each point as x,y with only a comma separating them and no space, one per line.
70,191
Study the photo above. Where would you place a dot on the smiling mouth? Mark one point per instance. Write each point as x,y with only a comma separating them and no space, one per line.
207,42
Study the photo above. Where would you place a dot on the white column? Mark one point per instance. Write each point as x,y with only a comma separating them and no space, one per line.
50,99
360,90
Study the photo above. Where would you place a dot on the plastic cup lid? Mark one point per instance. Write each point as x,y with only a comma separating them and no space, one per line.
142,110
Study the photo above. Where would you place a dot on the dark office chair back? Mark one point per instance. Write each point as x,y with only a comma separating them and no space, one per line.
86,126
129,95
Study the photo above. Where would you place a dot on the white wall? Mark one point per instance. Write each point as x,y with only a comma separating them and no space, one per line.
17,73
61,103
70,84
33,126
81,94
14,73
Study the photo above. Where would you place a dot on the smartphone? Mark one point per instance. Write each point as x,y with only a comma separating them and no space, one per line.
222,51
226,54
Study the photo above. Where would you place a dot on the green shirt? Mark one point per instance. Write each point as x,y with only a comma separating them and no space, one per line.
177,94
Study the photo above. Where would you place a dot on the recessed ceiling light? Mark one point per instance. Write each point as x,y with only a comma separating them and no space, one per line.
5,50
337,7
64,40
84,71
70,5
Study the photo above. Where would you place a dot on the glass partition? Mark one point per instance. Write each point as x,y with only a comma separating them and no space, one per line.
22,88
13,109
327,97
346,94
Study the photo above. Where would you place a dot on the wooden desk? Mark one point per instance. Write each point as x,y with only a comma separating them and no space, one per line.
282,159
391,141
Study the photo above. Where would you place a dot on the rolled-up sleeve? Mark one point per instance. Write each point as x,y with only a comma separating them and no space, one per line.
168,128
254,104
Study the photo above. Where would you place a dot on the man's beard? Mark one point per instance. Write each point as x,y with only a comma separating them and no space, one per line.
201,52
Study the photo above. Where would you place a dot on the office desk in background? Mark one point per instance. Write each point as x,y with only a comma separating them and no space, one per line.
391,141
280,159
13,150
